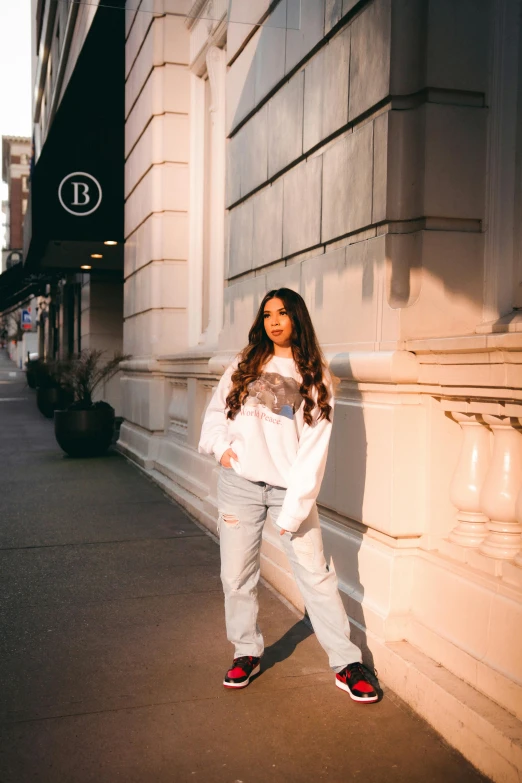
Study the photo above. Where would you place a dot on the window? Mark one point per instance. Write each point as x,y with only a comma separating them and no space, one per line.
24,178
23,161
24,206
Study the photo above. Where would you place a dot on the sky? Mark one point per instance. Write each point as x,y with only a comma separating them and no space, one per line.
15,73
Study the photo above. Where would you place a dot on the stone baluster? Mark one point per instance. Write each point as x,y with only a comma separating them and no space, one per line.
518,512
500,491
468,480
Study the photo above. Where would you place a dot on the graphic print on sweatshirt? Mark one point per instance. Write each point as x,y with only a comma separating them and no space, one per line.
279,393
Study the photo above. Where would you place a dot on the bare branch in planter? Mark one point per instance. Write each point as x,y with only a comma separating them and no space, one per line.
86,372
12,327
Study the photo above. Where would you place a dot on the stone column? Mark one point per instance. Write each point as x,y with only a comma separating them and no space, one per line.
501,155
157,100
518,512
156,184
217,68
207,201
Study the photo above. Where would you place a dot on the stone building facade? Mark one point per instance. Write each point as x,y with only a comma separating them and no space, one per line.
368,157
16,155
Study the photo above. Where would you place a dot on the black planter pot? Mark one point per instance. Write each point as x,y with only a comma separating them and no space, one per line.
53,398
31,378
84,433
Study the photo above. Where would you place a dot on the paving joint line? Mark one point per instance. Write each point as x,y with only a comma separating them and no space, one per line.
138,707
98,543
103,601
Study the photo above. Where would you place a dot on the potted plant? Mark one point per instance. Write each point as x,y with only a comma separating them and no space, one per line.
85,428
52,389
31,372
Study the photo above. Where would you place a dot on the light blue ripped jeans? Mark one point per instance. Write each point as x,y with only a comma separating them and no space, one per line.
243,506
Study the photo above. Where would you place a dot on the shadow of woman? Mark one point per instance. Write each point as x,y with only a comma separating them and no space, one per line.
285,646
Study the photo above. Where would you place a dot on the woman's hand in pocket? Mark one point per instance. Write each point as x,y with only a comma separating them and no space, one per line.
227,456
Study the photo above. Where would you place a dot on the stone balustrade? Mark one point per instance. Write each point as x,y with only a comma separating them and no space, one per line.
487,485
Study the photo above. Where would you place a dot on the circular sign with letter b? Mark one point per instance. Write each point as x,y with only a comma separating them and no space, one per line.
80,193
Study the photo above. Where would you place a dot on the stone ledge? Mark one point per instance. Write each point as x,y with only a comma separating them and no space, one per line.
486,734
179,363
479,675
471,343
366,366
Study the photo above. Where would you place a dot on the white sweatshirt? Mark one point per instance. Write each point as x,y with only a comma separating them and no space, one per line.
270,437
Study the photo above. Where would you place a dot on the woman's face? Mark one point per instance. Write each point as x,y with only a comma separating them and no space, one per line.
278,324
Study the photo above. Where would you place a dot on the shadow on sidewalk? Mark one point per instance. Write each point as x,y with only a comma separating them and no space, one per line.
285,646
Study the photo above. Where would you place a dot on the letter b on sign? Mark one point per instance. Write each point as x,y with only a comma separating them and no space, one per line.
85,194
80,193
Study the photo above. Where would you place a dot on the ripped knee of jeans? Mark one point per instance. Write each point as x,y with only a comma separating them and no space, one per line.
230,520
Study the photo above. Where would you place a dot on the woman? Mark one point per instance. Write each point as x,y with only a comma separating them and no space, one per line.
273,457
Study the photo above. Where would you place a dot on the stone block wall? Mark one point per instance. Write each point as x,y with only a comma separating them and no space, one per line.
369,121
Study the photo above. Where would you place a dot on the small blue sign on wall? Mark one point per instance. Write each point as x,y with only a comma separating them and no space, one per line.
26,318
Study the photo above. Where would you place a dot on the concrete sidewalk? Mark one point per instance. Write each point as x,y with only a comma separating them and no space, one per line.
113,650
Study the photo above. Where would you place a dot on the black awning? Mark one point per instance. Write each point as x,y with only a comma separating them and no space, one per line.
77,186
16,286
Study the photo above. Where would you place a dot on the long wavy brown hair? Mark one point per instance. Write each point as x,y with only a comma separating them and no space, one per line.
307,354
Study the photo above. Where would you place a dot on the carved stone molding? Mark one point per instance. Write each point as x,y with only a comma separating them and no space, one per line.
215,63
209,21
361,366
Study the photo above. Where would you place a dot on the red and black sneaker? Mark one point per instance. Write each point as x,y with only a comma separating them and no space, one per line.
242,669
360,682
